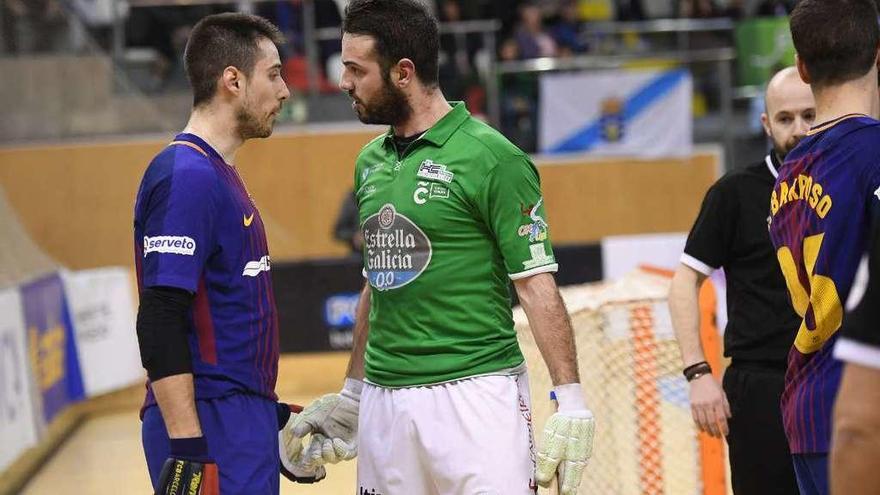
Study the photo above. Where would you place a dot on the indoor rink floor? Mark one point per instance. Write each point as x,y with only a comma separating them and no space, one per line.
104,456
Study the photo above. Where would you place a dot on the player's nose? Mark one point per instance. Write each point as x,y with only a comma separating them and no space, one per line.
345,84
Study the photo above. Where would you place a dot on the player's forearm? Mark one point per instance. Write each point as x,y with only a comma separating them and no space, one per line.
550,325
856,438
684,309
361,330
176,398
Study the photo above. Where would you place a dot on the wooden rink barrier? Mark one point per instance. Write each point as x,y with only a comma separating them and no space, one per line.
77,200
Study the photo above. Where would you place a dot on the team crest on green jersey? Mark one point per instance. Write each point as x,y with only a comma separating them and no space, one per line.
397,250
537,230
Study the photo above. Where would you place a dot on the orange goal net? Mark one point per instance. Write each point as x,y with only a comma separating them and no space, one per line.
630,367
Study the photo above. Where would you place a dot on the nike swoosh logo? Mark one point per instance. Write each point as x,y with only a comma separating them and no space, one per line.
247,220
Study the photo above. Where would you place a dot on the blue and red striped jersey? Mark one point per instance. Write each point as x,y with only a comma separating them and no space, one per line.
196,228
820,218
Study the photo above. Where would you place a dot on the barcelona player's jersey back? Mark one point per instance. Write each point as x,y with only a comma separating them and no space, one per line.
820,218
195,228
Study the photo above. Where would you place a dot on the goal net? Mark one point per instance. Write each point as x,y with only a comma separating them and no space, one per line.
630,367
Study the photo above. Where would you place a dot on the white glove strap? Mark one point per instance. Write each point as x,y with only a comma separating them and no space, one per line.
352,389
570,398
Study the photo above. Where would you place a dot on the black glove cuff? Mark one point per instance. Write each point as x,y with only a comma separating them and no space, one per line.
191,449
283,411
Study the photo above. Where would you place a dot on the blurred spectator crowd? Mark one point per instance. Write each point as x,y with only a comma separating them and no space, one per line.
151,34
529,28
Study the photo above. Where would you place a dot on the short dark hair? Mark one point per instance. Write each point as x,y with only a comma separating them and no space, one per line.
402,29
220,41
836,39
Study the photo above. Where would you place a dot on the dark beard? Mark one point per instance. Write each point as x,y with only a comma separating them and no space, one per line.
785,148
389,107
249,126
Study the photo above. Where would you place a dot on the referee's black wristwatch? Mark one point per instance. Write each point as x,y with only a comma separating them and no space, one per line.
697,370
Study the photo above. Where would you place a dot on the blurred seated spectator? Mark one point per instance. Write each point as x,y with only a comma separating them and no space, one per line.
698,9
32,26
457,50
769,8
735,9
519,100
328,15
509,50
532,39
288,16
165,30
705,10
567,30
630,10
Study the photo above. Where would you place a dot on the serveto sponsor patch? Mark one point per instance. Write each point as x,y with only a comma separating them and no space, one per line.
397,250
169,244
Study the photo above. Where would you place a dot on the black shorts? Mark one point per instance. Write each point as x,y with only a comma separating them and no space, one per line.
760,462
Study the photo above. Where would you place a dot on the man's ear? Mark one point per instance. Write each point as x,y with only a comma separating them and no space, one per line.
232,80
765,121
802,69
877,58
406,72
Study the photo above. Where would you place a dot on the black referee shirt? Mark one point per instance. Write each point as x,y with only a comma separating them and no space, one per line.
731,233
860,338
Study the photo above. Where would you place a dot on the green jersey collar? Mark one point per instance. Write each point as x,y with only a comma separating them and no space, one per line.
443,129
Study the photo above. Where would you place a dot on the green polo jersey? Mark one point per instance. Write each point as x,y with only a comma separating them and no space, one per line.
446,226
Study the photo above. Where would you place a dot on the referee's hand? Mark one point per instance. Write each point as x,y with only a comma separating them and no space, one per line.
709,406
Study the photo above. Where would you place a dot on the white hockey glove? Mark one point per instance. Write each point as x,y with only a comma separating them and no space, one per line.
295,465
335,418
568,441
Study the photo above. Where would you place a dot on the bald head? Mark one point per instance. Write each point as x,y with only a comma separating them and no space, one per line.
786,89
790,110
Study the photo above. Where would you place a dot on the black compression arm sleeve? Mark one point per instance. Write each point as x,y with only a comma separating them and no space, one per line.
162,331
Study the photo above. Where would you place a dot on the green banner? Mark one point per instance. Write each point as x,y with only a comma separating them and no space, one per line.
763,46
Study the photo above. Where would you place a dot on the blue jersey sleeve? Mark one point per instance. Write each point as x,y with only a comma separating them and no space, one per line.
178,226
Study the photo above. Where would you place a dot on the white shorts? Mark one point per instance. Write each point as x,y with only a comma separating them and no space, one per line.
468,437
